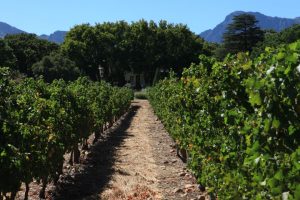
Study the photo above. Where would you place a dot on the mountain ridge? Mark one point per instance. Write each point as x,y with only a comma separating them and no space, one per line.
210,35
264,22
6,28
57,36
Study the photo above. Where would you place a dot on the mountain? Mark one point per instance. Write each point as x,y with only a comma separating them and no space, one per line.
264,22
57,37
8,29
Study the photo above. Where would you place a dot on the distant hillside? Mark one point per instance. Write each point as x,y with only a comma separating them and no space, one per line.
57,37
8,29
265,22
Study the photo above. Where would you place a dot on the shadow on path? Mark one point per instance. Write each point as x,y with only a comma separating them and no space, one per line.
97,167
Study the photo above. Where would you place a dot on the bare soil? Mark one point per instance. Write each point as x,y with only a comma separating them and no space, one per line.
135,160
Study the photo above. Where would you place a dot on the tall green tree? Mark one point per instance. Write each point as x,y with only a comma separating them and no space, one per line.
290,35
274,39
141,46
242,34
86,45
28,49
7,57
56,66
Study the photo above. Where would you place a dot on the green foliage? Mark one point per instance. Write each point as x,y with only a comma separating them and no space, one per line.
274,39
56,66
40,122
7,57
28,49
291,34
9,157
139,47
242,34
220,52
239,121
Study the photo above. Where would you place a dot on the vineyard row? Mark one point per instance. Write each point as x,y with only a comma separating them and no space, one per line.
239,121
40,122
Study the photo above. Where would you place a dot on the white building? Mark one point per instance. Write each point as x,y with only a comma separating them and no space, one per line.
136,80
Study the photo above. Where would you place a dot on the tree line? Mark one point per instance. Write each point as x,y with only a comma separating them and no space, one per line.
117,47
138,47
244,35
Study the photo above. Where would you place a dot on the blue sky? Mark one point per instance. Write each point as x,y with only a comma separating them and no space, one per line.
46,16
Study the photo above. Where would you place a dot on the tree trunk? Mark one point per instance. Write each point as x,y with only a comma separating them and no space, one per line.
43,190
111,122
85,145
104,127
97,135
26,191
71,158
182,154
58,173
76,154
13,195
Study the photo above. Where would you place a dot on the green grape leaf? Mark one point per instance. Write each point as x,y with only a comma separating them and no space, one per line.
275,123
279,175
254,99
3,153
280,55
293,58
291,129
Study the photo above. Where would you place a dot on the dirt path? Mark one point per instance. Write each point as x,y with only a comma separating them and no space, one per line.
146,165
135,160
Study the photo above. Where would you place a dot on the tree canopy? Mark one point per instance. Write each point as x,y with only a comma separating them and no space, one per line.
139,47
28,49
7,57
242,34
56,66
274,39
